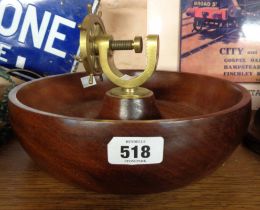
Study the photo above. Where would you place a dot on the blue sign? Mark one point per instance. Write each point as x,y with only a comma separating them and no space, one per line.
41,35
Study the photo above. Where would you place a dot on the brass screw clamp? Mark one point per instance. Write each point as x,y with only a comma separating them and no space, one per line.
96,54
136,44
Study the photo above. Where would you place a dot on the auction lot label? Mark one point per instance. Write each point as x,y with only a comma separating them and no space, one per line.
135,150
40,35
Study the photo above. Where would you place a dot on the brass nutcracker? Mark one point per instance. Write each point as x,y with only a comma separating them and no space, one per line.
96,47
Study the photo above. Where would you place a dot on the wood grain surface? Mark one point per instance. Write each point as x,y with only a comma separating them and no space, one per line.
23,186
51,118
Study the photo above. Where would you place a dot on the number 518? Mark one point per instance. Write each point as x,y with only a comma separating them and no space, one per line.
126,151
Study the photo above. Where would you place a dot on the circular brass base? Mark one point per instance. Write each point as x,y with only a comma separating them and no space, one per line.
130,93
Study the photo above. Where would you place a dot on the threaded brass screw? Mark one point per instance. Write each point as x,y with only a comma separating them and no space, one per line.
136,44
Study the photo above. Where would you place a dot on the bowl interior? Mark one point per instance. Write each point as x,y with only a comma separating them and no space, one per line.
177,95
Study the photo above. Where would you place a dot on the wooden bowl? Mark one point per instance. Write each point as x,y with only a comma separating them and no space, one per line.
203,121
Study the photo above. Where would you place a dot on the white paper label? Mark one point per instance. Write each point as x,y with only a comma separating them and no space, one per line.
86,82
135,150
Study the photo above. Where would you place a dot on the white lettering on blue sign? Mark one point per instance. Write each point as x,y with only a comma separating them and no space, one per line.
3,52
55,34
18,10
20,62
30,22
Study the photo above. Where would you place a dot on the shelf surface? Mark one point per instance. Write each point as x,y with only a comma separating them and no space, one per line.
23,185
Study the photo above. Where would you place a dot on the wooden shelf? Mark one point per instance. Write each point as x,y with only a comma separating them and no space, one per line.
234,186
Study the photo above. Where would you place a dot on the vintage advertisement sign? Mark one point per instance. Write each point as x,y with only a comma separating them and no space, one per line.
254,89
41,35
221,38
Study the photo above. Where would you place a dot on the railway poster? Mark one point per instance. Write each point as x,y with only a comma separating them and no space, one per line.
221,38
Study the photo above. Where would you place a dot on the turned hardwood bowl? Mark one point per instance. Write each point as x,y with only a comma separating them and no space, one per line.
203,119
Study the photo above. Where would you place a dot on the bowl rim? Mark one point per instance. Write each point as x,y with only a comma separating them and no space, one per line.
245,100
